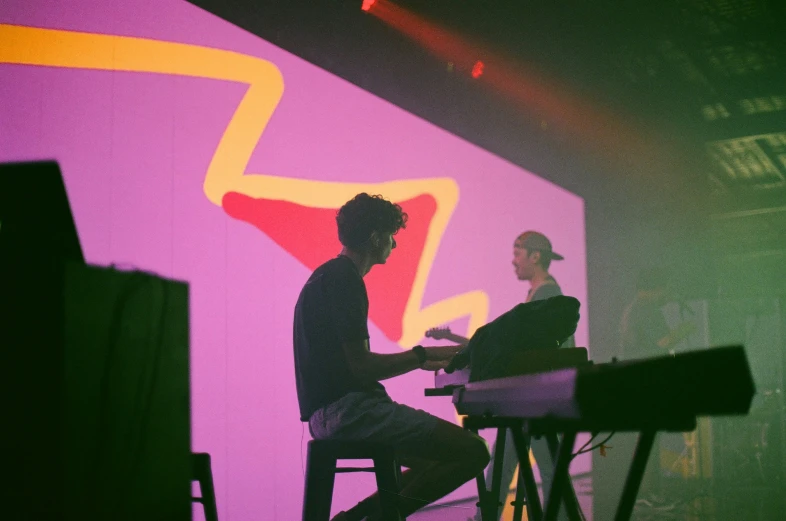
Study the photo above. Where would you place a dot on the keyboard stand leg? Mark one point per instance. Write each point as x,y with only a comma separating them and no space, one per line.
483,492
521,498
488,500
561,476
570,501
493,505
635,475
526,486
483,496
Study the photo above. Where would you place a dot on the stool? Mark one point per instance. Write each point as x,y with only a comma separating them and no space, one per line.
202,472
321,472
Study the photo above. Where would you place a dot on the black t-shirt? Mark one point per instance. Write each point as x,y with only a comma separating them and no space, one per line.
332,309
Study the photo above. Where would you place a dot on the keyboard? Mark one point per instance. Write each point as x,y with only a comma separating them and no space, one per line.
666,393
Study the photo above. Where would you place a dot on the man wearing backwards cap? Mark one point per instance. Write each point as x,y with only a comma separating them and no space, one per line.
532,256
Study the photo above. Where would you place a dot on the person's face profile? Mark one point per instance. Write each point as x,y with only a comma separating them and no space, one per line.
524,262
383,245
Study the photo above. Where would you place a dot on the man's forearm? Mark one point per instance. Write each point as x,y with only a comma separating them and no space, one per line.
376,367
373,367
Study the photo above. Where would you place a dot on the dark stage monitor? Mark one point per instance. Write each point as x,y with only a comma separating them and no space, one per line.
35,216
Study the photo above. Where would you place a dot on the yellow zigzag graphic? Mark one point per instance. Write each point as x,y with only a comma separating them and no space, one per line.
226,172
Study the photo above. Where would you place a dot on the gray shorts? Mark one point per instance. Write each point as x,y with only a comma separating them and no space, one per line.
372,416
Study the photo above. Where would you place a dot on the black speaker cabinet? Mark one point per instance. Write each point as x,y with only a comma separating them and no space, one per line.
95,394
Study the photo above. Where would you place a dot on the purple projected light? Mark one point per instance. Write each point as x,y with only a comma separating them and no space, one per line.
193,149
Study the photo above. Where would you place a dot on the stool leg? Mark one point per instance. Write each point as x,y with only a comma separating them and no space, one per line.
387,485
207,491
320,479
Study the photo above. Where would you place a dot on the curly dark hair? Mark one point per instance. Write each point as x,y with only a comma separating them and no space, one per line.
365,214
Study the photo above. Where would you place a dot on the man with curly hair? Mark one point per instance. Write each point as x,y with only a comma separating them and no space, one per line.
338,376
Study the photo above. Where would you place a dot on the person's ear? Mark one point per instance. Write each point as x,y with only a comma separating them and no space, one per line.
374,239
535,256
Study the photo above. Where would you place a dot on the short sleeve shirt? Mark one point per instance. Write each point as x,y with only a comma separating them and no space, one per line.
332,309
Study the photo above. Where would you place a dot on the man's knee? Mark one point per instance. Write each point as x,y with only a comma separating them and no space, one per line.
478,452
449,443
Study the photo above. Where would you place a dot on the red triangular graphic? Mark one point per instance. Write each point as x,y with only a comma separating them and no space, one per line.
309,234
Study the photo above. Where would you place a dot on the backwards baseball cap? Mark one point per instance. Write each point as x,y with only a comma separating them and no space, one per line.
538,242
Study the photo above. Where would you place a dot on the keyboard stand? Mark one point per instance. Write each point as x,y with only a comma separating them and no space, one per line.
526,495
563,449
635,475
561,485
665,393
527,489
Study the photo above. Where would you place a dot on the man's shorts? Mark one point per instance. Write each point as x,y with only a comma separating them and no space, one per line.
374,417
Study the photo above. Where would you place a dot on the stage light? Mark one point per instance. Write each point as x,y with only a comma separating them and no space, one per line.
477,69
540,97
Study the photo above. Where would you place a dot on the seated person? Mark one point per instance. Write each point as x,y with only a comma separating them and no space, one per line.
338,376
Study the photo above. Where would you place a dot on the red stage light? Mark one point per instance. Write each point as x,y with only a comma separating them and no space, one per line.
367,4
477,69
538,95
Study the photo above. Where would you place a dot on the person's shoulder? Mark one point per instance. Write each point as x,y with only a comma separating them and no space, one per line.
548,290
327,268
337,268
334,264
